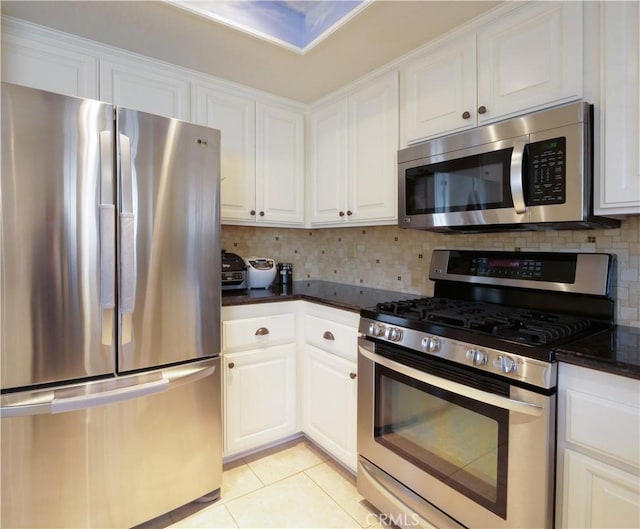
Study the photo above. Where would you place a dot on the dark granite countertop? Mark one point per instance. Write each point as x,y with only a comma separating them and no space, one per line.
347,297
615,350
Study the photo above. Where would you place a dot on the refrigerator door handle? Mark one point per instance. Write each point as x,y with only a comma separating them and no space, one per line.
38,405
107,219
177,377
128,265
82,402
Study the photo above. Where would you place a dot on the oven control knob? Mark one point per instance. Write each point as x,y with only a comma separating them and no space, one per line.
478,358
506,364
393,334
376,329
431,344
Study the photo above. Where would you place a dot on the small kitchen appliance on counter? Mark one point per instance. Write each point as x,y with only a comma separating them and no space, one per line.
234,272
262,272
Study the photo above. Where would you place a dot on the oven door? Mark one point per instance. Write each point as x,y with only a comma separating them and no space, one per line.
474,186
450,446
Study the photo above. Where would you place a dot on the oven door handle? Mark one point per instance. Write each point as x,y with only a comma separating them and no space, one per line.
517,406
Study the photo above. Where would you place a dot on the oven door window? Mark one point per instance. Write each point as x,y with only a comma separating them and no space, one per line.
460,441
477,182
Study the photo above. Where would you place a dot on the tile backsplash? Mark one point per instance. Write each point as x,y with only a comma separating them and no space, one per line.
391,258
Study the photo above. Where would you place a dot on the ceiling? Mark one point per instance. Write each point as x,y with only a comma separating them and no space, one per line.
384,31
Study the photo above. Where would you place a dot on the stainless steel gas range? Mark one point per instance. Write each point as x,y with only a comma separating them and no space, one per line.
457,392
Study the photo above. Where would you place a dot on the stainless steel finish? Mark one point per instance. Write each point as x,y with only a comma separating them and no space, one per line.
572,121
400,504
50,240
460,218
262,331
515,177
155,441
592,275
175,204
83,442
530,464
513,405
328,335
535,372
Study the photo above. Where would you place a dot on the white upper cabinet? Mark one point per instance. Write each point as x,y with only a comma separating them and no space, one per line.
235,116
439,90
530,58
144,85
527,58
279,195
45,62
619,185
354,143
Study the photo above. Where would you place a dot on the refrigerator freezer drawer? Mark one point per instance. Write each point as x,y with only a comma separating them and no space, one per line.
99,464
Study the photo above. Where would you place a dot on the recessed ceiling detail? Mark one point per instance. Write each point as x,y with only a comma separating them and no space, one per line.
296,25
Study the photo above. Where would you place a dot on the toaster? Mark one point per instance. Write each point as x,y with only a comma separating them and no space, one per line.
261,272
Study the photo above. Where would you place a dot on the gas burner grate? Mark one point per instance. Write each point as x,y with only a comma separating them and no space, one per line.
512,323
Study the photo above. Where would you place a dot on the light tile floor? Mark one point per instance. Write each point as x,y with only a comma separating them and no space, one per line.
291,485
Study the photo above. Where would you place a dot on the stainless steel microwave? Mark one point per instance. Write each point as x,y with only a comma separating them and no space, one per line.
527,173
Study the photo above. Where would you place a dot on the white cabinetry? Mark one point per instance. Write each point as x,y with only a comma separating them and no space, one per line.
619,186
598,449
259,385
329,381
235,116
144,85
353,143
279,187
47,62
527,58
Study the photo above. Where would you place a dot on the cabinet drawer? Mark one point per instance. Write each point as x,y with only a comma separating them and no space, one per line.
331,336
258,332
604,426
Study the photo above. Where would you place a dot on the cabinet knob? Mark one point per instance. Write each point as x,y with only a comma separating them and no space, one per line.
466,115
328,335
341,213
349,212
262,331
482,109
352,376
252,212
231,365
261,213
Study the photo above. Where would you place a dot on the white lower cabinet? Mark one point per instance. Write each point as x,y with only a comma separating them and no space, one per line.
598,470
329,400
259,375
260,397
329,380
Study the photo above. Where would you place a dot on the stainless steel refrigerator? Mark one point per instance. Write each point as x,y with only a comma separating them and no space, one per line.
109,311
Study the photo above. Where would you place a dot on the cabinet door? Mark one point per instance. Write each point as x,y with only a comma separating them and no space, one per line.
235,117
439,91
373,148
33,60
529,58
330,403
144,86
598,495
328,164
259,389
618,191
279,166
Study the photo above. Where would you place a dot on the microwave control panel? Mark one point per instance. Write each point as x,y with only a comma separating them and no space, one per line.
547,172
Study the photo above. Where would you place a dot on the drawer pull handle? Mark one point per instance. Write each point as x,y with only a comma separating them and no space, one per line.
352,376
231,365
262,331
328,335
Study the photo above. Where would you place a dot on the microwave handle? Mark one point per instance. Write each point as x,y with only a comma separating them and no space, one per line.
516,177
